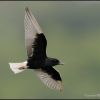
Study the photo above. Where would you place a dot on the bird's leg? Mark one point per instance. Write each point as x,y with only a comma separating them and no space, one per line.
22,68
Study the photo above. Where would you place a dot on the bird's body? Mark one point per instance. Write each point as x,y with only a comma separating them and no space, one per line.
38,60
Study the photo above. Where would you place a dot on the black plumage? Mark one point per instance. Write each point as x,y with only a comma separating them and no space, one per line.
38,60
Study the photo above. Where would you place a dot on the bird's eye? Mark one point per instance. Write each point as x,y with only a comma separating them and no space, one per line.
56,61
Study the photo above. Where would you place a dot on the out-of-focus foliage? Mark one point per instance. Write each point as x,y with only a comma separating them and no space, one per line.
72,29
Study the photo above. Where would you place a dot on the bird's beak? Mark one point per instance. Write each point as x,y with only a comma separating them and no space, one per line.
61,63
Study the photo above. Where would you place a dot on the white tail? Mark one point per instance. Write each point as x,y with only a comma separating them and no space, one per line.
18,67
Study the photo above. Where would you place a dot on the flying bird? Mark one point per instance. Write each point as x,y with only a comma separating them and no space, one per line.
35,43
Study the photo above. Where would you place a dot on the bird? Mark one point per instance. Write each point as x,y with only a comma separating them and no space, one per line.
37,59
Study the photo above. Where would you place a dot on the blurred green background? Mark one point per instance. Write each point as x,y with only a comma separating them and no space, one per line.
72,29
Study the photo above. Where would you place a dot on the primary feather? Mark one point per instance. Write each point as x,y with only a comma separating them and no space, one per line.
31,29
48,78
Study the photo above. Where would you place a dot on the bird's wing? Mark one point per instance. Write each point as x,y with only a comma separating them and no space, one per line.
32,30
50,77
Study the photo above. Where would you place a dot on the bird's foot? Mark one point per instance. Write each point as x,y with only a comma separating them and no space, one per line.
22,68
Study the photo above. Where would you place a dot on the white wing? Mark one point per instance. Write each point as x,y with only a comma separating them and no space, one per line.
48,80
31,29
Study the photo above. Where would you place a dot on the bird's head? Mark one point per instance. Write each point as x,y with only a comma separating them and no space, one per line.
52,62
56,62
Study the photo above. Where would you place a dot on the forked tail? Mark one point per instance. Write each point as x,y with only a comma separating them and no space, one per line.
18,67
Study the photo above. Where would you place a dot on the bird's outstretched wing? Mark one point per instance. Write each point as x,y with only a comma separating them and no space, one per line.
35,40
50,77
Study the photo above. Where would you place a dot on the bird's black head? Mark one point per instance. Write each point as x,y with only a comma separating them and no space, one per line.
52,62
55,62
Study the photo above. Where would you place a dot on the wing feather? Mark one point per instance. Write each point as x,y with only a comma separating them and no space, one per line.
48,80
31,29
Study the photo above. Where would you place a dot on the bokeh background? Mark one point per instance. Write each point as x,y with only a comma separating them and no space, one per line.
72,29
